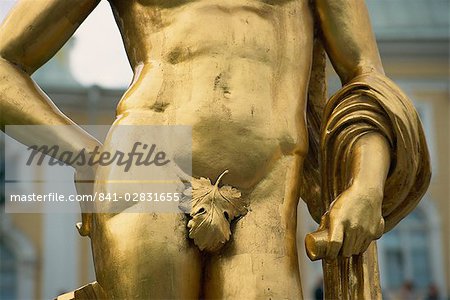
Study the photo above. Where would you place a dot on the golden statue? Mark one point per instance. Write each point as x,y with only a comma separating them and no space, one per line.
248,76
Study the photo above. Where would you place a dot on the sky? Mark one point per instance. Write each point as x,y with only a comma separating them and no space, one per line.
98,56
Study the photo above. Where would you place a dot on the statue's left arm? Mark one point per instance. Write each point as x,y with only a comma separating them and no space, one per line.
375,163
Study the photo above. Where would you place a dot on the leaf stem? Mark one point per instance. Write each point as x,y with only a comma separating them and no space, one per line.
220,177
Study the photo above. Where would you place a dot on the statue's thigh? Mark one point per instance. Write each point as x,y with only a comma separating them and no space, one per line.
145,256
260,262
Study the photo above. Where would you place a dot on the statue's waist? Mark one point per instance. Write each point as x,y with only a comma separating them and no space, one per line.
245,147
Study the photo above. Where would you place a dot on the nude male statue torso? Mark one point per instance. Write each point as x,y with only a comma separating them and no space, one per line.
240,68
230,69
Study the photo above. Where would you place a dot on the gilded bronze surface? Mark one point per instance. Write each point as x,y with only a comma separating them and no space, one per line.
248,76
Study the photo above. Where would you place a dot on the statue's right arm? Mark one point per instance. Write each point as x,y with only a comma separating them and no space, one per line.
30,35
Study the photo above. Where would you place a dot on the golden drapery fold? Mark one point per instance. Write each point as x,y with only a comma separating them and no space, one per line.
369,103
372,102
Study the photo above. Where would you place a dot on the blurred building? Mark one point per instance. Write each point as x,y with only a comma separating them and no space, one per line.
43,255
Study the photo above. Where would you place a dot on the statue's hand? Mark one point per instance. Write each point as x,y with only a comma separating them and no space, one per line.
84,184
84,180
85,173
355,220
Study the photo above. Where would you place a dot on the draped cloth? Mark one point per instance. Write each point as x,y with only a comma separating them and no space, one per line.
368,103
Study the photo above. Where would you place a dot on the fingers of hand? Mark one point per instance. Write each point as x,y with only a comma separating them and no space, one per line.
349,245
366,245
335,240
380,229
348,240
